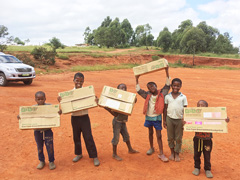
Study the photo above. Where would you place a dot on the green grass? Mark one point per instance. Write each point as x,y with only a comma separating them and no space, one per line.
103,67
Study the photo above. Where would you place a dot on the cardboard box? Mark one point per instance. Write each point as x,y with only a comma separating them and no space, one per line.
117,100
206,119
150,67
77,99
39,117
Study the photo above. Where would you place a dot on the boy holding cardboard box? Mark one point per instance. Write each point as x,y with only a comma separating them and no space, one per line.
153,109
44,135
119,126
81,124
203,143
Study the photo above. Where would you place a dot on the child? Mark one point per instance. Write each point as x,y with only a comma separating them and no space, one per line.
81,124
119,126
203,143
173,118
153,109
44,135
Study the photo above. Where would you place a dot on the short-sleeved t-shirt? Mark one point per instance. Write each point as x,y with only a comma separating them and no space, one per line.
175,106
203,136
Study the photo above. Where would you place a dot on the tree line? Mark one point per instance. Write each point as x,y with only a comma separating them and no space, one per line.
185,39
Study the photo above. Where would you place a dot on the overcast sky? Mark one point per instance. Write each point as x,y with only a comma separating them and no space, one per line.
39,21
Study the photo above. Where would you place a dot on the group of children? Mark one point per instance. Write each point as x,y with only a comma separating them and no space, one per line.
160,107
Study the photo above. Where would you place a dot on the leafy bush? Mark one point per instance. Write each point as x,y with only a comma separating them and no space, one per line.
25,59
44,56
155,58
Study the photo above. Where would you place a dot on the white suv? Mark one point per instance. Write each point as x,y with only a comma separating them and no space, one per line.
12,69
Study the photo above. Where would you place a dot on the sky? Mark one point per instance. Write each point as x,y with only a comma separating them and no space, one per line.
40,21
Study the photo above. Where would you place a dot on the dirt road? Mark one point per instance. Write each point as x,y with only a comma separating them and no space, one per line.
18,150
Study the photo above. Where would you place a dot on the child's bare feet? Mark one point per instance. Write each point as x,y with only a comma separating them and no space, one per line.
177,158
172,157
163,157
115,156
132,151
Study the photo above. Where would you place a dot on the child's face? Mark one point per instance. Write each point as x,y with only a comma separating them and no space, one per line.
152,88
201,104
78,81
40,99
176,86
123,87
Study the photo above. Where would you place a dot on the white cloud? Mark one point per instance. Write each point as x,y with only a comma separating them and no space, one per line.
67,19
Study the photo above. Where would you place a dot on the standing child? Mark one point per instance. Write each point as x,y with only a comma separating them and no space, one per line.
153,109
81,124
44,135
173,118
203,143
119,126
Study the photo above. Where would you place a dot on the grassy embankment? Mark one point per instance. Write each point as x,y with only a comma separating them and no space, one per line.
97,52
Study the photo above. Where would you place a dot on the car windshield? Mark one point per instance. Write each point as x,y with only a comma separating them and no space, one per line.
9,59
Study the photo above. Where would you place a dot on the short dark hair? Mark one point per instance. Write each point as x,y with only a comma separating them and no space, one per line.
153,83
178,80
79,75
121,85
205,102
40,93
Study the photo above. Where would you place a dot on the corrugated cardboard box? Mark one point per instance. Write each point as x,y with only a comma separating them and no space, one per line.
117,100
150,67
77,99
205,119
39,117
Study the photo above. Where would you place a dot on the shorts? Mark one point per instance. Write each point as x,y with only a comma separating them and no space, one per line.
156,124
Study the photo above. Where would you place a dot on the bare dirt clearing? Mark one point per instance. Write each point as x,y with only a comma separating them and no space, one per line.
19,152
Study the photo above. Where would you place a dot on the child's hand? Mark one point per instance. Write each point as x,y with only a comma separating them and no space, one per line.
165,124
227,120
60,112
183,122
137,77
59,98
18,117
96,99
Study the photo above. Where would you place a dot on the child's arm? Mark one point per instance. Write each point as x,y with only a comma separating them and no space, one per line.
140,91
165,115
18,117
111,112
59,98
166,87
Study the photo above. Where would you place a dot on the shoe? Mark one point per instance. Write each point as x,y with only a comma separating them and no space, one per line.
77,158
196,171
41,165
52,165
150,151
209,174
96,161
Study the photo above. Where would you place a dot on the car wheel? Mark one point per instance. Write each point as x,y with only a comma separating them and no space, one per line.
3,80
28,82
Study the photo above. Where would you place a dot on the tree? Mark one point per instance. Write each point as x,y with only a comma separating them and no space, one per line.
210,35
18,41
223,44
55,43
106,22
4,40
86,34
193,41
143,36
126,32
177,35
164,39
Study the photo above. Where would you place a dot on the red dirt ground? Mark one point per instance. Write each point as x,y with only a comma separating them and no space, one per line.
18,150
